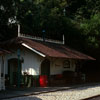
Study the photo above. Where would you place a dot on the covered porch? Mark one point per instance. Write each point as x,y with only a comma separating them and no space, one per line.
62,71
59,63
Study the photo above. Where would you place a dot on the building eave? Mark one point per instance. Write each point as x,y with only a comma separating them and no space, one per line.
37,52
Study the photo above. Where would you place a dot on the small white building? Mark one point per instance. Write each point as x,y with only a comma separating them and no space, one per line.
30,57
2,68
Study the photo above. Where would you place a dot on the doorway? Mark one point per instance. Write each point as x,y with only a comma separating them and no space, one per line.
13,71
45,67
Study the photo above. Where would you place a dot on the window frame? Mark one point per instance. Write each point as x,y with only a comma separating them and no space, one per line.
66,64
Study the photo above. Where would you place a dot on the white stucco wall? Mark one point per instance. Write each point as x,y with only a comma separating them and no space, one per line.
56,66
31,63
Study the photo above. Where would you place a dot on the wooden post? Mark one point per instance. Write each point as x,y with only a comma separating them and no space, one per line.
19,71
43,35
3,73
63,39
18,30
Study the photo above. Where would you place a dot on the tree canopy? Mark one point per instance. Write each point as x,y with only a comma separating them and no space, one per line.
78,20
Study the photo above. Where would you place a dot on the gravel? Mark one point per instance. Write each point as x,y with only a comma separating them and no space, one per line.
71,94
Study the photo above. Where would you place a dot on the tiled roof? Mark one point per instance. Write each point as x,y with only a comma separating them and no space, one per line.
2,51
52,49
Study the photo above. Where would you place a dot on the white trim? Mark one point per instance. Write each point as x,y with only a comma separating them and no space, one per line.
63,39
41,54
18,30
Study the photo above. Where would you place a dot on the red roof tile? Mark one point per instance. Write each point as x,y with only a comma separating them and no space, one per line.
52,49
2,51
55,50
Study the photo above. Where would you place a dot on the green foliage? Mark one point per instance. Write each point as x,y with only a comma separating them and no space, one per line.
90,28
80,22
90,8
46,14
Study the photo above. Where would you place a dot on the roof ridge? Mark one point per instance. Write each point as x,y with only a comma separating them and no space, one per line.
40,39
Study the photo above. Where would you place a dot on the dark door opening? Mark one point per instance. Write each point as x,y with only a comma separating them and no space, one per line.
45,67
13,71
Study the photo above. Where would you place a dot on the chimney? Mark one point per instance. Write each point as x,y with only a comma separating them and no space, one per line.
63,39
18,30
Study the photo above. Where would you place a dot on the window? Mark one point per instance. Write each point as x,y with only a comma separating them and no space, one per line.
66,64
